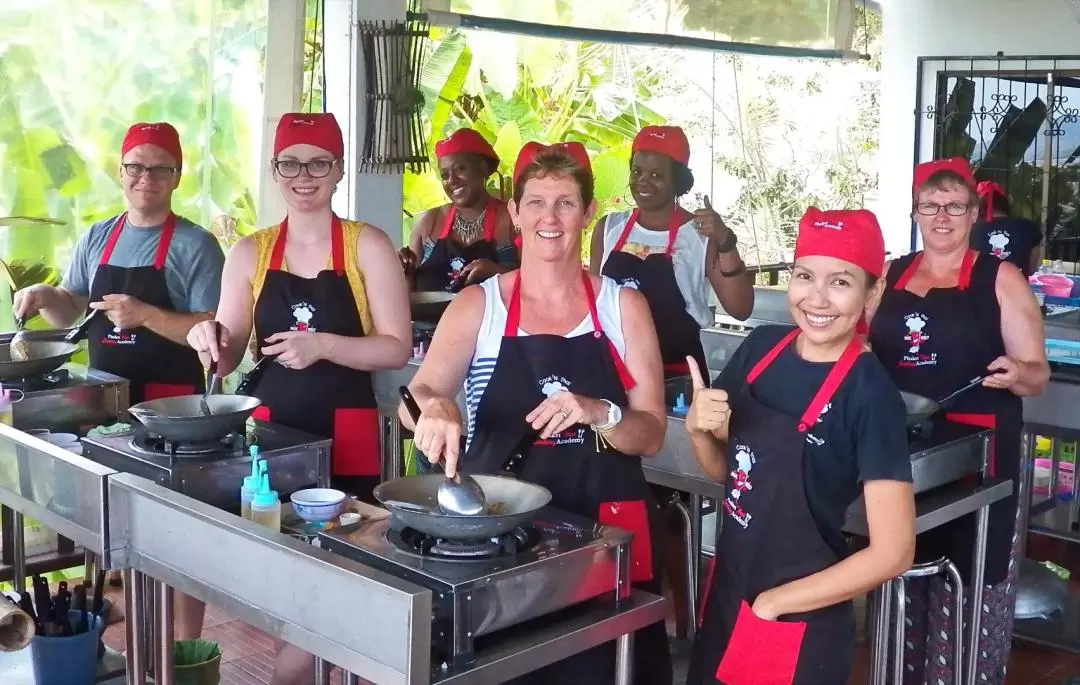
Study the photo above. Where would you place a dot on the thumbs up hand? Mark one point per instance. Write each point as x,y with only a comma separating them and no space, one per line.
709,409
708,222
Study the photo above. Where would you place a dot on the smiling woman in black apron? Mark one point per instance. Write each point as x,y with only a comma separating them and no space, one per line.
1000,234
328,303
941,323
799,423
470,238
575,357
671,255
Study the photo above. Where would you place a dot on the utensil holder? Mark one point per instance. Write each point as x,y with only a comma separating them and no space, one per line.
69,660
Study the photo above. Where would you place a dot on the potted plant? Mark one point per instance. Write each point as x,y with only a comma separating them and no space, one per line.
196,662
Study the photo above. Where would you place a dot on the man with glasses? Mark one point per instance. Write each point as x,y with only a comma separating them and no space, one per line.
147,276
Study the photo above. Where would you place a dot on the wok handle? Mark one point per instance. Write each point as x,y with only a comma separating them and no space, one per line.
80,333
410,403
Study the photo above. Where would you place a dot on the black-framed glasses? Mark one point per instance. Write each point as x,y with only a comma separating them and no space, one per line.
952,209
158,173
291,168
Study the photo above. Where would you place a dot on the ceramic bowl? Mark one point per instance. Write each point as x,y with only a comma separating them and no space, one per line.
316,505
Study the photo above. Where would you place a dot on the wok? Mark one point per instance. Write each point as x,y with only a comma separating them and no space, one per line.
429,305
44,357
412,500
921,408
181,418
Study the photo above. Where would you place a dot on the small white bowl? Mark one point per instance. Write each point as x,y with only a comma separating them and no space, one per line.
316,505
61,439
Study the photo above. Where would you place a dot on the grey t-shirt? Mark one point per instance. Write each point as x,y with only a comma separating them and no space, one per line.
192,267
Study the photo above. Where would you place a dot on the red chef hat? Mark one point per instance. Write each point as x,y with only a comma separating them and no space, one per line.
852,235
986,190
531,150
466,140
669,141
161,134
957,165
320,130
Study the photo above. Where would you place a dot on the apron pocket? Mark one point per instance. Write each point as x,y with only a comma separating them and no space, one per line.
761,652
355,451
632,516
161,391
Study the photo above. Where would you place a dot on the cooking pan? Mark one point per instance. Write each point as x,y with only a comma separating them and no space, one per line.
921,408
412,500
44,357
429,305
181,418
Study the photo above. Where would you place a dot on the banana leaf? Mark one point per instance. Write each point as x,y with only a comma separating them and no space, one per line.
194,652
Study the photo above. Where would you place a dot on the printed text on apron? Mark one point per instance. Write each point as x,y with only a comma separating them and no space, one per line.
448,258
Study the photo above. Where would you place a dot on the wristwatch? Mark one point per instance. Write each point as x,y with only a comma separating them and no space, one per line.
614,416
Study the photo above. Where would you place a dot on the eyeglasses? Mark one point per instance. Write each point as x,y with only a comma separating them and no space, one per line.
952,209
316,168
158,173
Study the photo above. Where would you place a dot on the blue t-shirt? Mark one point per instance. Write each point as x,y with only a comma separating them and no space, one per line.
192,267
861,435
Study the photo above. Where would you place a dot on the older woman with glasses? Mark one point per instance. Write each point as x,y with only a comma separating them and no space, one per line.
328,303
941,324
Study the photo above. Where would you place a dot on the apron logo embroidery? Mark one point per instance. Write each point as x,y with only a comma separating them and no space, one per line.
574,435
120,337
740,484
303,313
810,437
915,339
999,240
456,265
631,283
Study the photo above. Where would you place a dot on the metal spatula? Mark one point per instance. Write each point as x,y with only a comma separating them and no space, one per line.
19,346
212,380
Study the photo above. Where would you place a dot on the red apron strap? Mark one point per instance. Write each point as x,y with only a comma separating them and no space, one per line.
277,255
106,254
337,245
764,362
491,217
965,270
836,376
672,231
167,231
448,223
625,378
513,311
626,231
902,282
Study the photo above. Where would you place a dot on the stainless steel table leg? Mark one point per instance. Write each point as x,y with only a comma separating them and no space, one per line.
691,589
695,544
1026,486
133,623
165,634
397,460
18,557
879,653
347,678
978,573
624,659
898,631
156,652
322,672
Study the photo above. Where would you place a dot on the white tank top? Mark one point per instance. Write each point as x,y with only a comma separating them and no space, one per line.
688,259
490,336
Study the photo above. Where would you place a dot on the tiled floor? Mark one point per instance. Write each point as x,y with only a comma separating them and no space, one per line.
247,654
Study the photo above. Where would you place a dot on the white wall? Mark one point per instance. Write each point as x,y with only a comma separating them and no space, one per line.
916,28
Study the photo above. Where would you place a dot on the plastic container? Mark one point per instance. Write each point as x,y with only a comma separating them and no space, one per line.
680,408
251,483
265,505
316,505
1053,285
1044,463
67,660
7,414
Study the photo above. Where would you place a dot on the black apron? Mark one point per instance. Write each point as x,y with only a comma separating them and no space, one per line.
934,345
325,399
678,332
155,366
448,258
584,476
770,538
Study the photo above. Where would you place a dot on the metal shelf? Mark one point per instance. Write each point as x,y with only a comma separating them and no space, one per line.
1060,631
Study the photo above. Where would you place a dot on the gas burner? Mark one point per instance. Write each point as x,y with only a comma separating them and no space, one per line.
148,443
414,542
45,381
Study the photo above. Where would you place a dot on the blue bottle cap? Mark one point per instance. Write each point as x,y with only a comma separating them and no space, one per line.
264,497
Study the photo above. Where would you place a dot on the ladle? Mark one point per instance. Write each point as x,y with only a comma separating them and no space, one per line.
460,494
